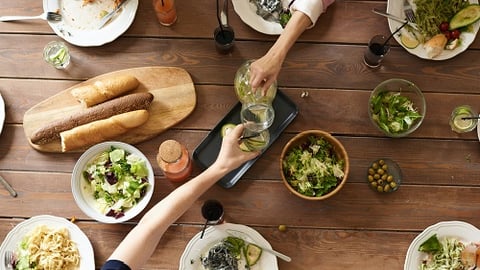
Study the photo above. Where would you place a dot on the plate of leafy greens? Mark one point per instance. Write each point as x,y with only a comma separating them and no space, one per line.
228,245
112,182
430,14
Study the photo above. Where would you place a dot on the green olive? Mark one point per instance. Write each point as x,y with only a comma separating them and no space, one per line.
374,184
375,165
389,178
393,185
370,178
379,188
380,182
384,177
381,162
380,171
386,188
371,171
282,228
385,167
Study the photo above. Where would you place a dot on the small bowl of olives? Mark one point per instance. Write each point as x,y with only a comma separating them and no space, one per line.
384,175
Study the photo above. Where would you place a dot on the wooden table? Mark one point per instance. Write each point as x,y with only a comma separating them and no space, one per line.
355,229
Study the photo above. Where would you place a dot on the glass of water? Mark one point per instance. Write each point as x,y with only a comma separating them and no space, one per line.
257,116
56,53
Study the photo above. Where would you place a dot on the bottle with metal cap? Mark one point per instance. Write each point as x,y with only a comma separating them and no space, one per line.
174,161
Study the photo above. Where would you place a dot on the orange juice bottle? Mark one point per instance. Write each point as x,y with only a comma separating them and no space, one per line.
166,12
174,161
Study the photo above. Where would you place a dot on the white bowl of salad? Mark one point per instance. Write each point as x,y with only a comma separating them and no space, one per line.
112,182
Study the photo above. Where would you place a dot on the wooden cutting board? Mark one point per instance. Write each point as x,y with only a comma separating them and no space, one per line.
174,99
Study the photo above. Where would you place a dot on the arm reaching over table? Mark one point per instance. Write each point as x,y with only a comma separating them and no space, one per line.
141,241
264,71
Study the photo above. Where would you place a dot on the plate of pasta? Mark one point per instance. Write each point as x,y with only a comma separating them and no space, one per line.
198,253
62,244
81,19
247,11
395,7
447,232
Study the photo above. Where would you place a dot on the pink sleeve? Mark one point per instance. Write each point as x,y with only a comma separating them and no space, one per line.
312,8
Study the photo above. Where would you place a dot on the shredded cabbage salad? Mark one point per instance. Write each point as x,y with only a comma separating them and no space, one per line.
313,169
447,258
118,180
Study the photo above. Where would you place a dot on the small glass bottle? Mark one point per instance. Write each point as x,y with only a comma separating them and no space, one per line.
174,161
166,11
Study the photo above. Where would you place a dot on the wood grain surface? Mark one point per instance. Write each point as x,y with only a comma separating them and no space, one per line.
174,99
355,229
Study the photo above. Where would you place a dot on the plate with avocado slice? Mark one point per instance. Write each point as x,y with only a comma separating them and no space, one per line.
221,243
466,18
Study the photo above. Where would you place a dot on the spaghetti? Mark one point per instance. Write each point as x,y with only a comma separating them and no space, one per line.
50,249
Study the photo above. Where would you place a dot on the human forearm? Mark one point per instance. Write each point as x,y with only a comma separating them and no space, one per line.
140,243
295,27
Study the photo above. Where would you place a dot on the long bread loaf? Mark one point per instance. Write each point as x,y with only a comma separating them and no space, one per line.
51,131
102,130
104,89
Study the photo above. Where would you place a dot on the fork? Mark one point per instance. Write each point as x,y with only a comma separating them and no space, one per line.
407,9
49,16
9,257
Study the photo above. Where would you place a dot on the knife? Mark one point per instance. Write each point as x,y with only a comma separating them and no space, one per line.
109,16
269,250
8,187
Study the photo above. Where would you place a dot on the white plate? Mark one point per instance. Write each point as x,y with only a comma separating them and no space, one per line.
460,230
81,191
79,25
2,113
395,7
197,247
15,236
247,12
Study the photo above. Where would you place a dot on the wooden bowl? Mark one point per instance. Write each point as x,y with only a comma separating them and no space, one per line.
339,150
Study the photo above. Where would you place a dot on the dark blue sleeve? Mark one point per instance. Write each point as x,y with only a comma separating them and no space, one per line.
115,265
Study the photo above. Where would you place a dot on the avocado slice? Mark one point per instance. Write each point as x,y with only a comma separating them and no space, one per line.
465,16
252,254
226,129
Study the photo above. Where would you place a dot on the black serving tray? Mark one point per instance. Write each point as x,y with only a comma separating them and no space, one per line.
207,151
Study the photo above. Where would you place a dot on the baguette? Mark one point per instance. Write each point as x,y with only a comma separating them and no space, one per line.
102,130
51,131
104,89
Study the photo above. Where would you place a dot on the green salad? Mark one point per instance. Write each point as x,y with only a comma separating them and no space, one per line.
313,169
393,112
118,180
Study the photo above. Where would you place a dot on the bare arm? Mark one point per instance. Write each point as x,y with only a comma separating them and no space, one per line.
264,71
141,241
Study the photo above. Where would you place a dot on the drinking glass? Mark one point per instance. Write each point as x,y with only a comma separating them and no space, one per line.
256,141
257,116
224,39
56,53
212,211
463,119
376,51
